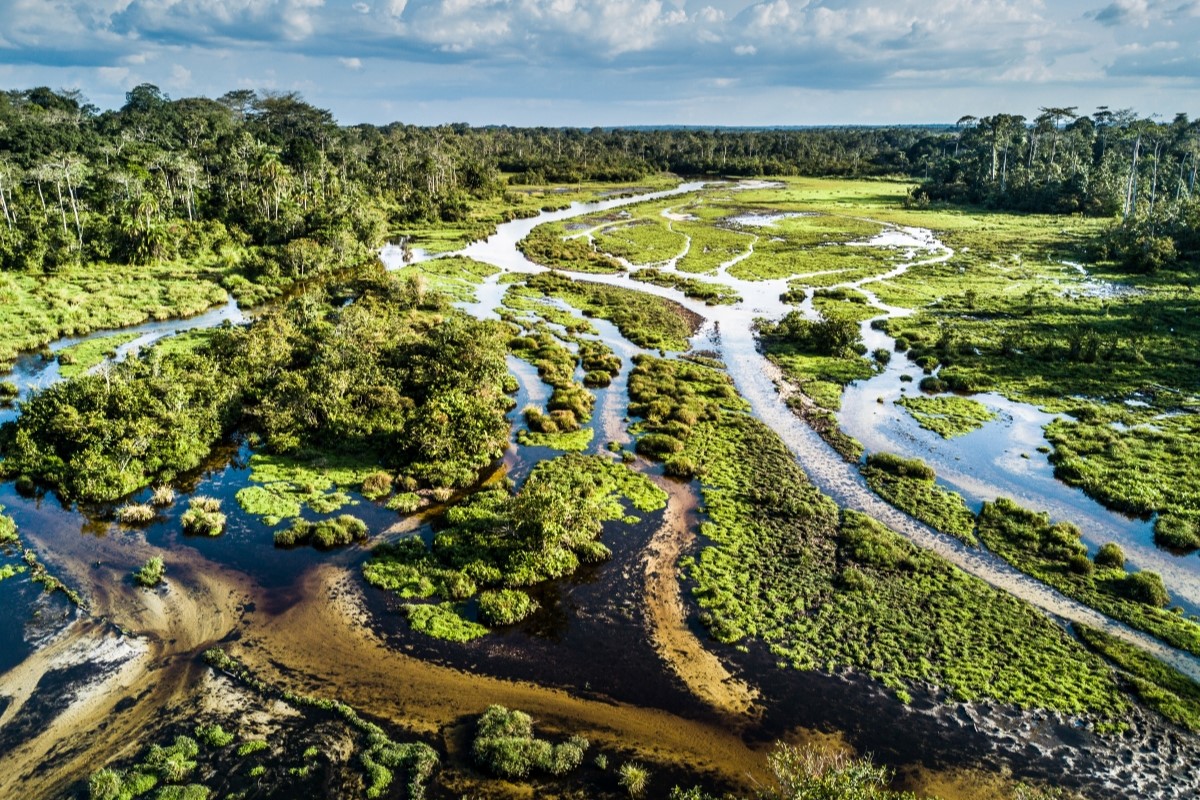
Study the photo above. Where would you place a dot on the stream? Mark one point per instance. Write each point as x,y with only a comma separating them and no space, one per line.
291,601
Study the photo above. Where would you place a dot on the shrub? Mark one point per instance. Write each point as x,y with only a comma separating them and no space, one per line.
8,391
1110,556
324,534
201,519
682,467
162,496
505,607
1176,532
405,502
377,485
1147,587
901,467
597,379
135,513
633,778
658,445
505,745
104,784
151,573
932,385
214,736
1080,564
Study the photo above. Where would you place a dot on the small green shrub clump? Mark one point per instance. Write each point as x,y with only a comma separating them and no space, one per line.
323,534
505,745
162,496
634,778
505,606
377,485
150,574
203,517
135,513
1177,531
8,528
1110,556
214,735
1147,587
404,502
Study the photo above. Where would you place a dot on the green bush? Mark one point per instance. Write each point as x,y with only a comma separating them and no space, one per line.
135,513
633,778
1177,532
1110,556
203,517
1147,587
505,606
404,502
377,485
324,534
214,736
151,573
658,445
901,467
505,746
1080,564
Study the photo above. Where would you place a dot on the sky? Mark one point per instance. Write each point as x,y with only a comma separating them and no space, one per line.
622,62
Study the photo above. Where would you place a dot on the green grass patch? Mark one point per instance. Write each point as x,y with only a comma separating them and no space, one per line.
1052,552
85,355
826,591
1163,688
287,485
572,442
909,485
947,416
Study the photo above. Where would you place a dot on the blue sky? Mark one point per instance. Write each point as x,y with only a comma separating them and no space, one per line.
612,62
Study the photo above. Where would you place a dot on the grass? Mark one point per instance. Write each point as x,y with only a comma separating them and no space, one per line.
75,301
454,276
1166,690
713,294
947,416
85,355
827,591
570,442
1050,553
288,485
909,485
506,746
503,542
150,575
647,321
323,534
645,241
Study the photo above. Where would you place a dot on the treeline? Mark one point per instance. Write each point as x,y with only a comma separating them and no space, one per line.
275,180
1111,163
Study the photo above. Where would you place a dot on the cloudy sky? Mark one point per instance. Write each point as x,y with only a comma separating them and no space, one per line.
610,62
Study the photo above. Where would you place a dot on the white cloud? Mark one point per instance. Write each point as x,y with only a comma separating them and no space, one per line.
351,63
745,50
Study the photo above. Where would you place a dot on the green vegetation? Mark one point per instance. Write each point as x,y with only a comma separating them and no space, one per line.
947,416
1028,541
150,574
547,246
568,442
644,241
645,320
506,746
712,294
324,534
85,355
1164,689
390,377
500,540
203,517
505,606
909,485
135,513
10,570
634,778
825,591
288,485
8,528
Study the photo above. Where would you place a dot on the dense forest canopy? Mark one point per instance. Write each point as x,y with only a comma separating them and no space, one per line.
270,177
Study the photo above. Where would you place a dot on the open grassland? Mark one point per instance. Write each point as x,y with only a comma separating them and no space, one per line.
74,301
826,590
